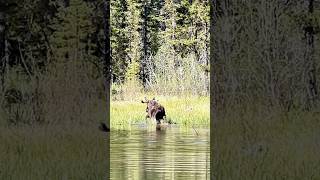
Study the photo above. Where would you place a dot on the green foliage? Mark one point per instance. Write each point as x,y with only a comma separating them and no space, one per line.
120,38
265,54
133,71
141,30
73,27
52,57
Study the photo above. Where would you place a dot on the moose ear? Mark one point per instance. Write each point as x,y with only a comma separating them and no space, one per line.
147,101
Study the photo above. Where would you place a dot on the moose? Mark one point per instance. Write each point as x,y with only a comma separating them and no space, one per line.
154,110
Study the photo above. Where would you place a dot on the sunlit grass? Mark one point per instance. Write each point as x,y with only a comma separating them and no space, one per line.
185,111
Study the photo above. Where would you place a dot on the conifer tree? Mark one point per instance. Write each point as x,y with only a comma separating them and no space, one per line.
73,27
135,47
119,38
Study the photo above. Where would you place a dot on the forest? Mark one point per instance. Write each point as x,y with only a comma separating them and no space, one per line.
258,60
52,61
163,45
160,49
60,58
54,71
264,89
52,55
266,53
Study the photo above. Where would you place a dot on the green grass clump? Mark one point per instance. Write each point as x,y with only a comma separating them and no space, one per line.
189,111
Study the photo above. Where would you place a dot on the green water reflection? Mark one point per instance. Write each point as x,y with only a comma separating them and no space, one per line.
144,153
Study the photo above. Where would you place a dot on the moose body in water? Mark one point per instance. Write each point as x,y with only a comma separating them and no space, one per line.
154,110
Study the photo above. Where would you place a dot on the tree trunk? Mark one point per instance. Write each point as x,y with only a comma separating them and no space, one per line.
207,59
107,52
66,3
216,66
106,68
311,76
2,49
144,60
215,13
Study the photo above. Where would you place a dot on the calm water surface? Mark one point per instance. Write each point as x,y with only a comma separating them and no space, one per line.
172,153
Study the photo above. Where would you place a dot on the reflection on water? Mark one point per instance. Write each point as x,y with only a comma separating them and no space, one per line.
143,153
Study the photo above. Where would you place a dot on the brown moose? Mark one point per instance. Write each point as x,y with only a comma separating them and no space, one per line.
154,110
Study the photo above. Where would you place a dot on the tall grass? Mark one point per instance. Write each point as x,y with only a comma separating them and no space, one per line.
65,92
184,110
171,74
275,145
51,131
53,152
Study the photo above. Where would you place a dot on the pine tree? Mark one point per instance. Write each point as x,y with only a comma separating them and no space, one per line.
150,36
119,38
135,47
73,27
169,34
2,48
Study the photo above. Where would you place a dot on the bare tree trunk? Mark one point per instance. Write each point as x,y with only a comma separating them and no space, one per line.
311,63
216,70
176,60
215,91
213,98
145,46
107,53
106,68
207,60
2,48
66,3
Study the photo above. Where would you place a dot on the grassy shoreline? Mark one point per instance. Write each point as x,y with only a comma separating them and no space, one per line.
186,111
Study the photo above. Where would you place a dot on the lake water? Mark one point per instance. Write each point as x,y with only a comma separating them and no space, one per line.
171,153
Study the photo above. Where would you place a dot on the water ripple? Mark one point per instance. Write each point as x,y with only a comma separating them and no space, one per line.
167,154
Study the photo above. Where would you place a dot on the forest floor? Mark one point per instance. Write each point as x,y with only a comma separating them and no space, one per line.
188,111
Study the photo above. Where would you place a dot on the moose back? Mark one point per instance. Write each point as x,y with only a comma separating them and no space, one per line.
154,110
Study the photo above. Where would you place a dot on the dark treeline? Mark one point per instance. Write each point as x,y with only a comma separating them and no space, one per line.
161,44
265,54
52,55
265,88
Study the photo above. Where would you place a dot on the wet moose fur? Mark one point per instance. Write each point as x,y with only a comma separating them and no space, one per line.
154,110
